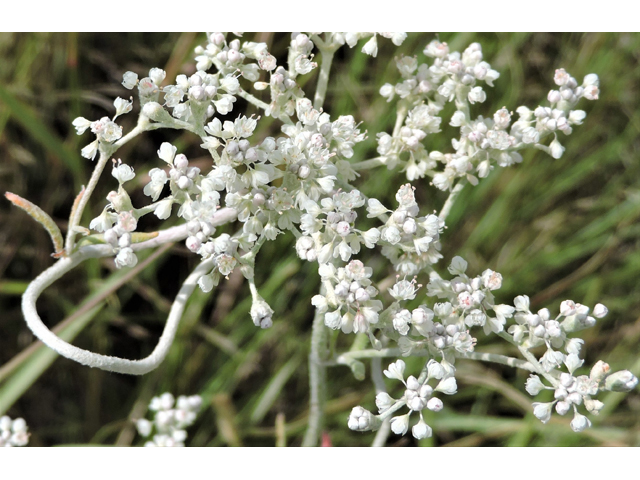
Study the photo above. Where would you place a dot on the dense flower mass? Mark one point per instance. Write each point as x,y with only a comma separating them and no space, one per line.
300,181
171,418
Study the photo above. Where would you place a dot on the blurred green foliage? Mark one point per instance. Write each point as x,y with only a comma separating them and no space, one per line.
555,229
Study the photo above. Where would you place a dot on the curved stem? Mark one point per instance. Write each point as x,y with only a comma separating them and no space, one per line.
115,364
85,357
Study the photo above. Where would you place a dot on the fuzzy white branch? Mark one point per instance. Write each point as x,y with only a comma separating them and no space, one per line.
116,364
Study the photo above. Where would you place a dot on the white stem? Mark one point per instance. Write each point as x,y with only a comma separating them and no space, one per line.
116,364
385,429
453,196
104,362
323,78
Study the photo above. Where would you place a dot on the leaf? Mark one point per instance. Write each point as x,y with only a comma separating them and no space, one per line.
43,219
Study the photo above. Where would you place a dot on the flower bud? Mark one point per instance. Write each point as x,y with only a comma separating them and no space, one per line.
421,430
599,371
534,386
600,311
400,425
580,422
156,112
622,381
206,283
542,411
362,420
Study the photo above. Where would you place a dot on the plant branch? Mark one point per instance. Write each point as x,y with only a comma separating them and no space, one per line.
380,439
327,52
453,196
115,364
76,214
317,382
501,359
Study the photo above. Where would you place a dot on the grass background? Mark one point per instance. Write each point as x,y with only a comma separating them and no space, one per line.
555,229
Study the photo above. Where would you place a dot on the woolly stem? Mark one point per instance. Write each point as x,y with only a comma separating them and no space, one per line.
323,78
453,196
85,357
317,382
368,164
378,381
115,364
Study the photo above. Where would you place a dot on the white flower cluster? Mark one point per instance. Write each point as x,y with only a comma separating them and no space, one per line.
350,296
168,426
105,129
13,433
300,181
573,391
444,328
410,242
417,396
483,142
540,328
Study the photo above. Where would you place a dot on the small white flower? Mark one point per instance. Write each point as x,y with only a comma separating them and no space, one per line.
396,370
521,302
81,125
421,430
123,173
492,280
375,208
383,401
90,150
157,75
448,386
600,311
122,106
580,422
458,266
126,258
129,80
477,94
400,425
206,283
163,209
542,411
144,427
556,149
371,47
167,152
534,386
